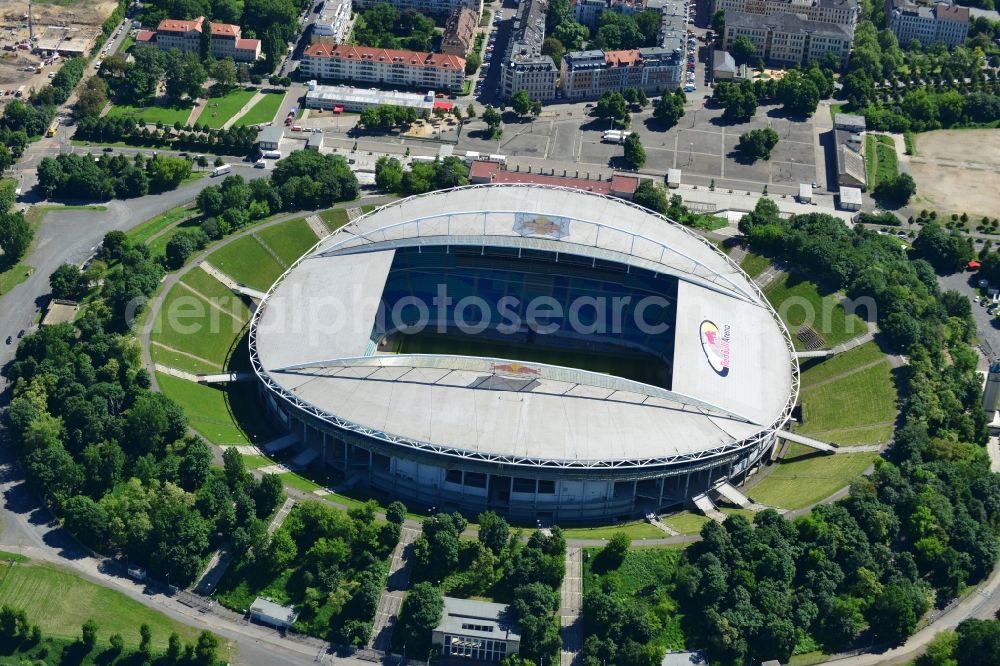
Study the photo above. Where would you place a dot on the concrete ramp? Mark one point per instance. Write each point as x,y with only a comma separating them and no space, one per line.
225,377
305,458
731,494
238,287
806,441
706,506
281,443
818,353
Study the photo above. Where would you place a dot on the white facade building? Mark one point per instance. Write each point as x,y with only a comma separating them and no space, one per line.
415,69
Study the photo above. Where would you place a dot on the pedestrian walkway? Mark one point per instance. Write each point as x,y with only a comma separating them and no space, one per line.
276,468
570,606
993,449
258,96
243,449
391,598
807,441
220,378
231,283
315,223
280,515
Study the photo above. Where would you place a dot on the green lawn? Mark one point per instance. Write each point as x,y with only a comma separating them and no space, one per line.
255,462
227,414
857,407
334,218
754,264
143,232
207,285
289,240
60,601
881,161
800,303
685,522
246,261
805,477
168,115
263,111
820,370
189,323
635,530
218,110
14,276
180,361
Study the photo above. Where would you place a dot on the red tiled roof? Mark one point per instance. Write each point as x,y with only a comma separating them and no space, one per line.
491,171
627,58
175,25
247,44
145,35
389,56
225,30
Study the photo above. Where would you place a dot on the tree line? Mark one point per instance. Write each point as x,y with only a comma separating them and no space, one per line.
390,176
15,232
73,176
18,635
130,129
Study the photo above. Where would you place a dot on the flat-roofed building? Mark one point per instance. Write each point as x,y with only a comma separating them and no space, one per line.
589,74
459,32
842,12
789,38
673,31
849,122
476,630
431,7
416,69
927,23
333,21
269,138
850,198
226,39
524,67
267,612
485,172
359,99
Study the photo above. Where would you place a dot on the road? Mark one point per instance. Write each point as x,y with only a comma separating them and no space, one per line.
70,237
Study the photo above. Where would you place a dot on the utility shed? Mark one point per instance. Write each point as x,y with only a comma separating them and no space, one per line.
673,178
805,193
267,612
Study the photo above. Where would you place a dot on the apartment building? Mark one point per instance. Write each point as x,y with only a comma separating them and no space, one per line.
459,32
226,39
588,12
333,21
415,69
948,24
673,30
524,67
840,12
590,74
431,7
785,38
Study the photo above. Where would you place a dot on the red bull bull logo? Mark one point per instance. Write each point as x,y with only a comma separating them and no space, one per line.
715,344
515,369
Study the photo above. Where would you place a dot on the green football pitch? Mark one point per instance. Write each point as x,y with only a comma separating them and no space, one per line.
617,362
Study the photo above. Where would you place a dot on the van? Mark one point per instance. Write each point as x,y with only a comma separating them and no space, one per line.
221,170
259,164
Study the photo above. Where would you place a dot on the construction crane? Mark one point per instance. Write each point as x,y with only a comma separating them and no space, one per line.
31,27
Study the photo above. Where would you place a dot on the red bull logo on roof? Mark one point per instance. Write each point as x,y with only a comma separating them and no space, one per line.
716,345
515,369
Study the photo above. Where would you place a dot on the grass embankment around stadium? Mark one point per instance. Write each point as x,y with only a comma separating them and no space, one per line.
802,303
60,601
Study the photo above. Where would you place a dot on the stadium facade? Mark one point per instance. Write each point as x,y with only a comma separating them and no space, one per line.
546,353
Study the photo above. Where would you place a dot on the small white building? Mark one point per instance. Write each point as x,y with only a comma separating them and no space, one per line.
849,122
673,178
805,193
269,138
359,99
267,612
315,141
850,198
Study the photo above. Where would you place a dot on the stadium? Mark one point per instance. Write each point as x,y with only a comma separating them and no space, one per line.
546,353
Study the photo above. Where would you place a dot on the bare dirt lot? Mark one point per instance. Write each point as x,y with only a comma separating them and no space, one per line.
55,24
958,171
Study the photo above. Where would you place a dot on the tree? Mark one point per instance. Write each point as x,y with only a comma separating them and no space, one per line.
571,34
651,196
88,636
635,154
92,99
978,642
206,649
612,105
67,282
493,119
388,174
764,212
743,49
739,101
224,72
494,532
670,108
613,554
757,144
718,23
15,238
184,75
521,103
145,640
553,48
117,642
420,613
898,190
270,493
470,111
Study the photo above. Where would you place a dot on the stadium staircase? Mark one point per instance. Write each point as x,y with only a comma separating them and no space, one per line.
280,444
705,506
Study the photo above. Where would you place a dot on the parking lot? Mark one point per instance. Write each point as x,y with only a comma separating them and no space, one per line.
701,145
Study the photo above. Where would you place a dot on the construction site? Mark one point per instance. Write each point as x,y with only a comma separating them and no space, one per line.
34,37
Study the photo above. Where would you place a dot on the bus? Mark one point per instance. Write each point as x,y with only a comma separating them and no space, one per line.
221,170
51,131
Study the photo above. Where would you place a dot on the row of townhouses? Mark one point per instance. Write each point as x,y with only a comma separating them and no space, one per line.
431,7
459,32
226,39
588,12
841,12
589,74
342,62
524,67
